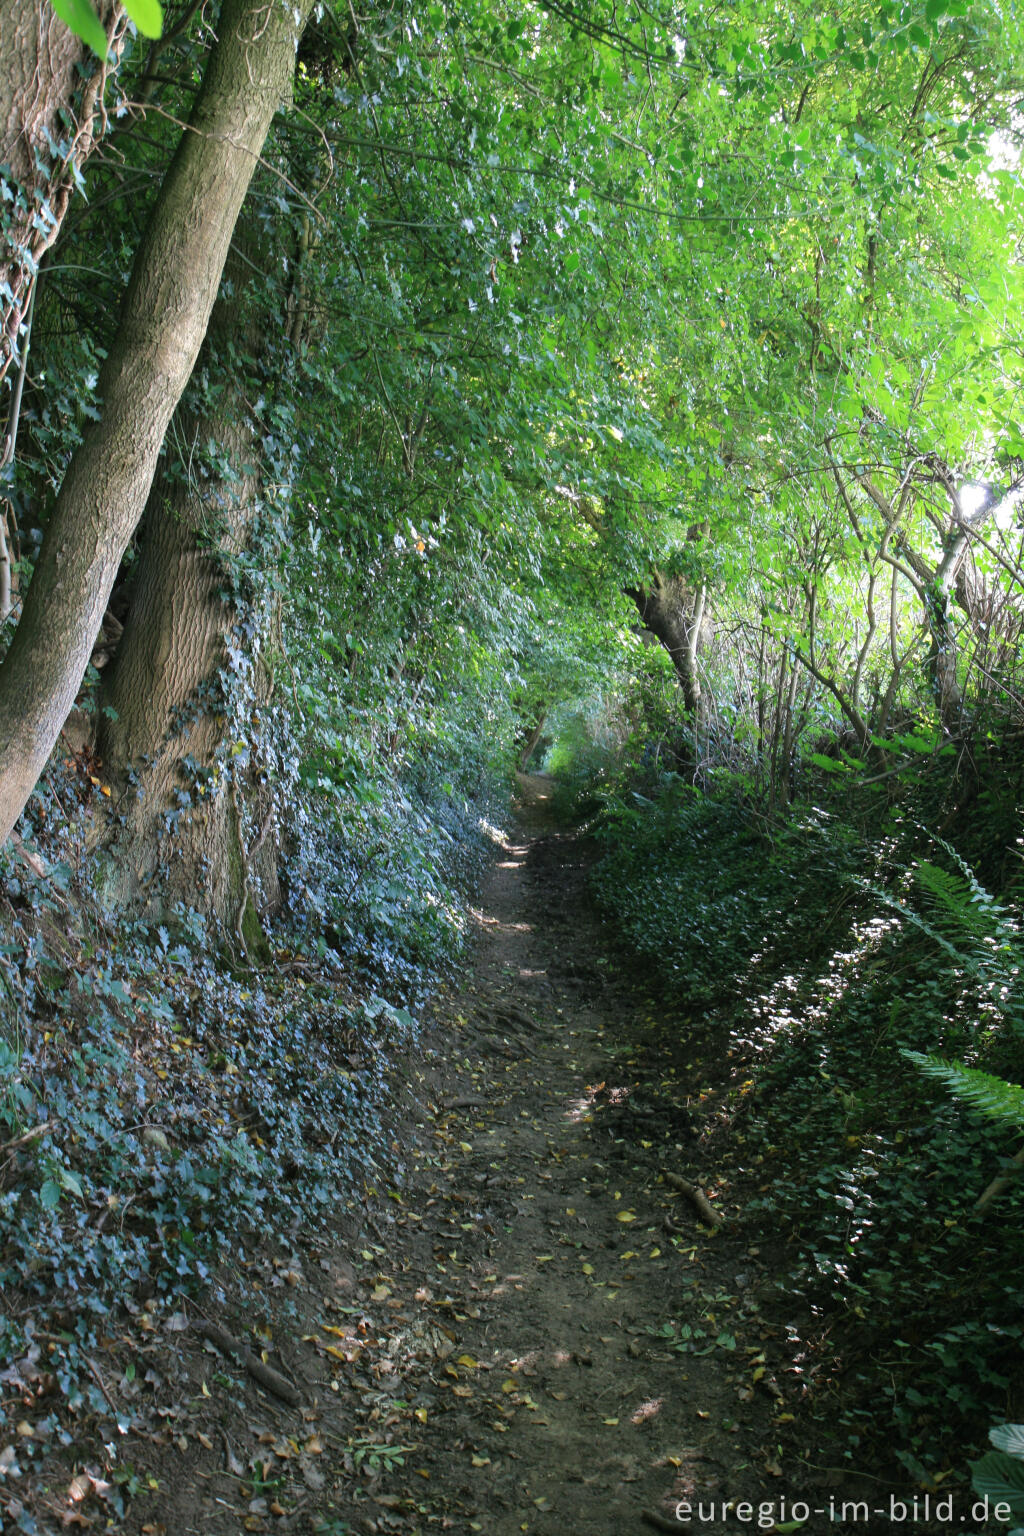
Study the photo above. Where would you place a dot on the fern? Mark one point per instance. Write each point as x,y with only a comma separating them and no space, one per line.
970,911
971,927
990,1096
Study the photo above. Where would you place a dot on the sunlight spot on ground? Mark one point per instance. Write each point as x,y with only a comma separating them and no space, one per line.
583,1108
495,834
526,1362
648,1410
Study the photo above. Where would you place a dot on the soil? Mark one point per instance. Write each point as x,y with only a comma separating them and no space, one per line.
531,1331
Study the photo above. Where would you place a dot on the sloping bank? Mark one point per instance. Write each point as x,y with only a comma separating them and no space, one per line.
811,954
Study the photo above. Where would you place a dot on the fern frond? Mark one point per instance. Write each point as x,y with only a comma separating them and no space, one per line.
972,912
895,905
990,1096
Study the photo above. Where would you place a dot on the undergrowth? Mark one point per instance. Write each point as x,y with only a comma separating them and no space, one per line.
831,947
164,1109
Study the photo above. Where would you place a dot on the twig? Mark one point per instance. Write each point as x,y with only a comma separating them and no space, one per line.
95,1370
264,1374
697,1198
1000,1183
37,1130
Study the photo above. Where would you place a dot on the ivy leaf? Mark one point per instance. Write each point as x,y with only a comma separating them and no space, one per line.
49,1195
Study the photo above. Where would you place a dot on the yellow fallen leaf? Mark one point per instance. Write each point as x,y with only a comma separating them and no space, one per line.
588,1269
381,1292
465,1146
467,1361
629,1254
421,1414
510,1386
625,1216
655,1253
481,1461
544,1258
609,1421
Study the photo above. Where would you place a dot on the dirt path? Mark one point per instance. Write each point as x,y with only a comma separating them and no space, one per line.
594,1352
531,1332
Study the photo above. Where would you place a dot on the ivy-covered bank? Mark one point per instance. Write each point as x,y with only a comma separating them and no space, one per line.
171,1106
821,958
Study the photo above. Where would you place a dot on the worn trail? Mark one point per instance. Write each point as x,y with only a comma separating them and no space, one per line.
595,1350
534,1328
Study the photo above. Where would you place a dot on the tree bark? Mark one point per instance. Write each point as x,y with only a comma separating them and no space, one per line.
161,327
674,612
180,673
50,119
530,745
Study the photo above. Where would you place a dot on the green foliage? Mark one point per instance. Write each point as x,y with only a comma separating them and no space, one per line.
83,21
175,1109
797,939
999,1474
990,1096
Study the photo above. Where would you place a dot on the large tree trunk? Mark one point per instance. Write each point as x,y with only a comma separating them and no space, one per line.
674,613
51,90
162,324
183,682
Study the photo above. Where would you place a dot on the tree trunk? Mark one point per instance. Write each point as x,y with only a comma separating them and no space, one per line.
49,122
182,678
530,745
161,327
674,612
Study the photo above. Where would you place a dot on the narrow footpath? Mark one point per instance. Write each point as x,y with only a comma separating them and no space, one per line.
587,1361
532,1329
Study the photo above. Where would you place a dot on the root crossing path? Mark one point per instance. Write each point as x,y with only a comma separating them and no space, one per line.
552,1338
